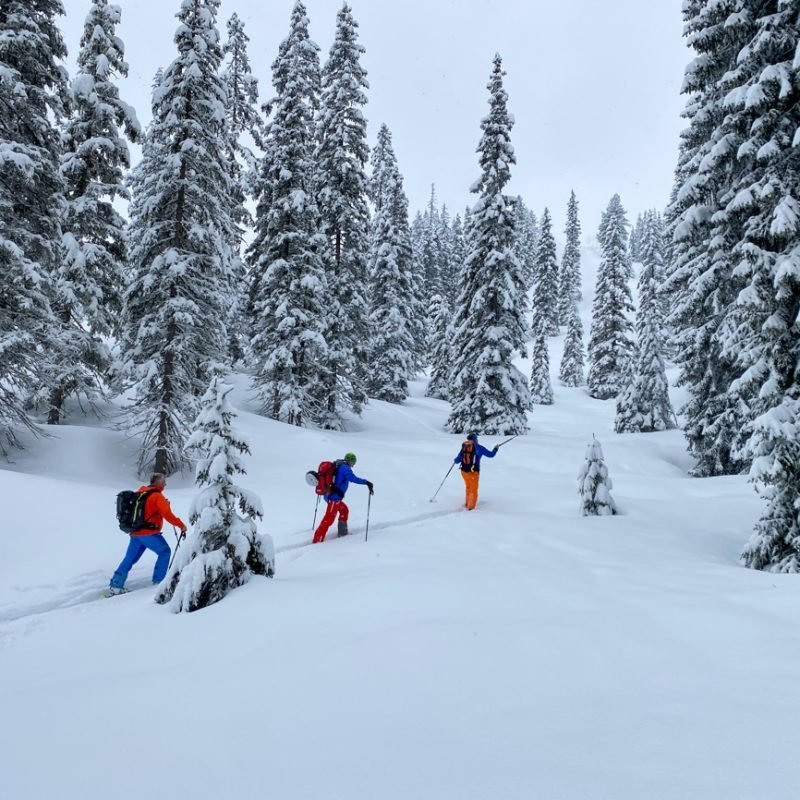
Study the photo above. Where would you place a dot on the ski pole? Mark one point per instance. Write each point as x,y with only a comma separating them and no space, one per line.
316,508
497,447
433,499
180,539
369,503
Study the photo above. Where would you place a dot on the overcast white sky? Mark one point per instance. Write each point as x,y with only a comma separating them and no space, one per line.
593,84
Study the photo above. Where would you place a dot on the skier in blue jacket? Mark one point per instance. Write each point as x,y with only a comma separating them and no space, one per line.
335,498
469,456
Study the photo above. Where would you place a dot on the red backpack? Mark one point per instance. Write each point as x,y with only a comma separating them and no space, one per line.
324,477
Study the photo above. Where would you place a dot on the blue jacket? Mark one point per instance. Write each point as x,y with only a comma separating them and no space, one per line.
344,477
480,452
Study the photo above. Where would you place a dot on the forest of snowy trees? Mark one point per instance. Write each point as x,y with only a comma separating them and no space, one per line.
273,240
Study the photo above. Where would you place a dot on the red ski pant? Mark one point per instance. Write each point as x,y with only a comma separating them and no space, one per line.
471,480
334,507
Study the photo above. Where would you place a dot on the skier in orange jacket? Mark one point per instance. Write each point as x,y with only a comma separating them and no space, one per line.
156,510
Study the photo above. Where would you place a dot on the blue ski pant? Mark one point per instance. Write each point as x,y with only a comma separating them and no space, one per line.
136,547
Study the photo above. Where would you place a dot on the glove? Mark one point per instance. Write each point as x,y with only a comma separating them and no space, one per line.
496,448
370,487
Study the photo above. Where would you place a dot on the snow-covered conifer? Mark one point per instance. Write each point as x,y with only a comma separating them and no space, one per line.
288,290
174,336
545,276
525,239
429,245
419,316
342,192
764,327
90,279
569,276
775,446
458,255
643,405
635,240
610,343
489,393
700,282
594,485
439,348
241,100
305,74
225,549
540,385
391,292
245,128
33,94
378,168
572,359
448,267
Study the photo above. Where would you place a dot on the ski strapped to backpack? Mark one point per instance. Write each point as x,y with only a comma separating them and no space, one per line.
324,478
130,511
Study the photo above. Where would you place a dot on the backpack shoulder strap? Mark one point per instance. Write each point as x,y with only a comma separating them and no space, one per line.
144,497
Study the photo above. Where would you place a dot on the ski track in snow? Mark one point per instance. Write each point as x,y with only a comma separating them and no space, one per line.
83,589
375,526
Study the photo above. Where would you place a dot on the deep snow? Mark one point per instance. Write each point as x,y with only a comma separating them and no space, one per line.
517,651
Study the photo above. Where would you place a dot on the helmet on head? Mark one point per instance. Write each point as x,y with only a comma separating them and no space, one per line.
350,458
472,436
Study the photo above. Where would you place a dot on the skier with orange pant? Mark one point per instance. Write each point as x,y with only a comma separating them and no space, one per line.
470,459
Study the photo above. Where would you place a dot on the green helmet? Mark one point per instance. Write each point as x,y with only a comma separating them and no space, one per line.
350,458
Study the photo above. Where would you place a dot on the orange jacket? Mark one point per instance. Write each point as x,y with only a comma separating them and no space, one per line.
156,510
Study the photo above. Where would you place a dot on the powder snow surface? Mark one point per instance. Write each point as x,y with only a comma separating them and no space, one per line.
517,651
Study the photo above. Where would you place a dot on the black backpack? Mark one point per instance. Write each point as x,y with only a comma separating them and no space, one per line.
469,456
130,511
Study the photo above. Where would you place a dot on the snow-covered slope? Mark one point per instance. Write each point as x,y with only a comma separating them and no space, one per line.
516,651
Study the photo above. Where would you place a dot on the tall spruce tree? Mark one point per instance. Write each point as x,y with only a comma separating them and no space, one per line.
287,256
174,335
245,129
448,269
458,257
342,192
306,75
391,292
763,109
241,104
429,245
569,276
700,283
33,96
526,240
439,348
610,342
489,393
90,279
540,385
635,240
545,281
644,405
378,169
419,285
572,359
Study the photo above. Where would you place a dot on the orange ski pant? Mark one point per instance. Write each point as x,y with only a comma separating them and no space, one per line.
334,507
471,485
